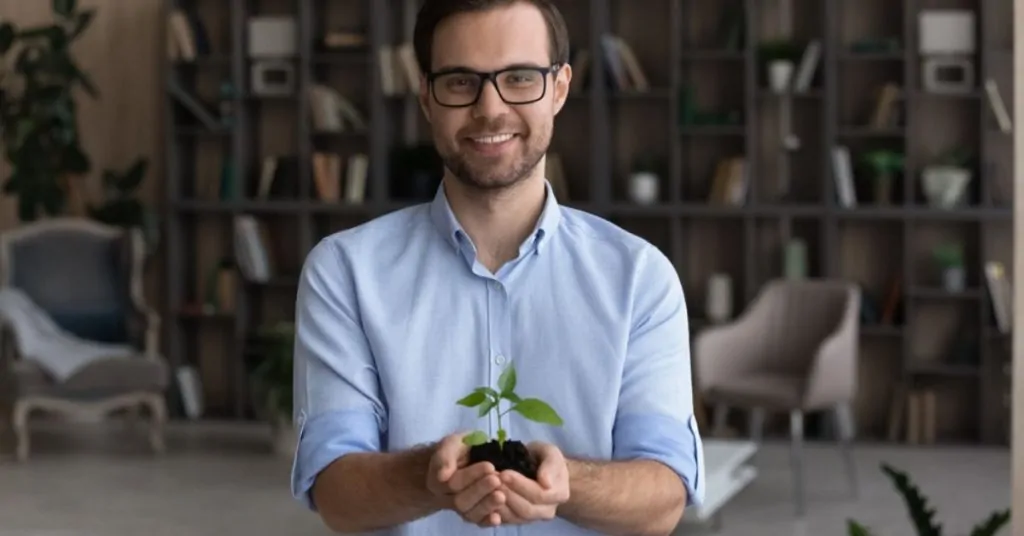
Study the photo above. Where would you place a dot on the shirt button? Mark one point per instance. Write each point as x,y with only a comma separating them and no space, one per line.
499,359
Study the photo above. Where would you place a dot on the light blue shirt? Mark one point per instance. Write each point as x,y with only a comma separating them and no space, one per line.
396,320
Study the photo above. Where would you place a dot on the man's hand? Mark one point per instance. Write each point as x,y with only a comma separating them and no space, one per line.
526,500
471,490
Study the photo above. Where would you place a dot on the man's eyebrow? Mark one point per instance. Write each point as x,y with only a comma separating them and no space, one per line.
463,68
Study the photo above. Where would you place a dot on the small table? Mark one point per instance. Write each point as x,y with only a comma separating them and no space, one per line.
727,472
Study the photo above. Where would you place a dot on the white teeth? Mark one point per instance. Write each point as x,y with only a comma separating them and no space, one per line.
494,139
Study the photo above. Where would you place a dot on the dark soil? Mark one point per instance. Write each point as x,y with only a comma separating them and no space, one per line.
514,456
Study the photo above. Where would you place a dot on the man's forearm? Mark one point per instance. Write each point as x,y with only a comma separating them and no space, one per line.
370,491
629,497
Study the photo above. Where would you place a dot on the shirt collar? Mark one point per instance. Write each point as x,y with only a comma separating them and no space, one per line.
444,220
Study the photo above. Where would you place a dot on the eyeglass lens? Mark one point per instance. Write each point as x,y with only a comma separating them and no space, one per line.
515,86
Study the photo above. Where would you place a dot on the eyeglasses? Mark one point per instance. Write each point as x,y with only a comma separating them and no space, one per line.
456,88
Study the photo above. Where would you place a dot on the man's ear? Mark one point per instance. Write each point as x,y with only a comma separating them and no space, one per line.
423,97
562,80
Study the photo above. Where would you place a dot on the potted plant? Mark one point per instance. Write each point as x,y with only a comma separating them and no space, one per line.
922,516
121,205
884,165
778,58
501,451
950,258
38,112
271,379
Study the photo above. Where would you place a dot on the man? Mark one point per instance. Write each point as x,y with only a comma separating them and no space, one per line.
399,318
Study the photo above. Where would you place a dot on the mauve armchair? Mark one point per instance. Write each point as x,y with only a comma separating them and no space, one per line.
794,350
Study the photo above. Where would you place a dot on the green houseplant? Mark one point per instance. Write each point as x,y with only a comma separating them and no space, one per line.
121,205
502,452
884,165
950,258
271,378
922,515
38,111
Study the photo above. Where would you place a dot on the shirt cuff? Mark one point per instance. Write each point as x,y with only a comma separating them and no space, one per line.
325,438
670,441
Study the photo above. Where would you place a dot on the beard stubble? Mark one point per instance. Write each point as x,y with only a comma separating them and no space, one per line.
480,174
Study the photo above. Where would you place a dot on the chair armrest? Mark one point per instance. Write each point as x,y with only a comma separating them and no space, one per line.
724,350
833,374
147,323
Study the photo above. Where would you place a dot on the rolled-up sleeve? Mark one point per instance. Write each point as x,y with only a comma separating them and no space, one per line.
655,417
338,408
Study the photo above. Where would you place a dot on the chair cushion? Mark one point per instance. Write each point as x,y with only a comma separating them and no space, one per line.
768,391
99,379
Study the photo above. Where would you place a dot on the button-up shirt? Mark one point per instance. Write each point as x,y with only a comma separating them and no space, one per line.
396,320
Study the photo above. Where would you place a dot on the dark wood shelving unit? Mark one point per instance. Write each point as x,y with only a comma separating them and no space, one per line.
601,130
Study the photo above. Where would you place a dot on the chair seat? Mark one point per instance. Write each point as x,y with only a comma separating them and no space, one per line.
99,379
768,391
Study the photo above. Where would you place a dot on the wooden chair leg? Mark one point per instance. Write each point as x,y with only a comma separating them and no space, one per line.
19,424
158,418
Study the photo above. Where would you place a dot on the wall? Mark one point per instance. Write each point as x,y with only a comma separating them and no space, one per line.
1017,455
120,51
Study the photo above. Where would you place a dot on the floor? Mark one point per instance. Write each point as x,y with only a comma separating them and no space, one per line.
221,481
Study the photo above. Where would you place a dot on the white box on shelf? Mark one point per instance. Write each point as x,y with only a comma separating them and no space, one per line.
272,37
946,32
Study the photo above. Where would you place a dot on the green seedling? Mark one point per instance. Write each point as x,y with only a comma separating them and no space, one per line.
487,399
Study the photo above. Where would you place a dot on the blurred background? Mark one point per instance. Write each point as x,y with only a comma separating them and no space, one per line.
167,166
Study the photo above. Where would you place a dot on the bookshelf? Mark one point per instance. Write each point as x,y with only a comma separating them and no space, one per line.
706,116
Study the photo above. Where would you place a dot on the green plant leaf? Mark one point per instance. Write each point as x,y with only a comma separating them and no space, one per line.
473,399
64,8
82,22
487,406
475,438
856,529
502,436
511,397
6,37
133,177
538,411
507,380
991,526
921,515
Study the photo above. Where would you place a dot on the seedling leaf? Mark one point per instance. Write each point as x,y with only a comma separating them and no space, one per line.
511,397
502,436
507,380
475,438
486,407
856,529
473,399
537,410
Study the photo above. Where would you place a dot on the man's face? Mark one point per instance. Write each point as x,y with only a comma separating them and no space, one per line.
492,144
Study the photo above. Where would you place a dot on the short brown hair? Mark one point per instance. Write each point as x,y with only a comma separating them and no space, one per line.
434,11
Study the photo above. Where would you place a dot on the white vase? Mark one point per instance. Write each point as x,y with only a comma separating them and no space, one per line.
643,188
945,186
780,72
718,306
954,279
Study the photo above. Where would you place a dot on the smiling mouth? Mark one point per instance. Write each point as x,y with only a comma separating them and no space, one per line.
493,139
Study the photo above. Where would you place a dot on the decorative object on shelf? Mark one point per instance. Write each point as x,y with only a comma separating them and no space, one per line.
718,307
121,205
778,59
795,263
273,78
226,103
38,95
950,258
503,453
644,181
945,185
271,379
947,48
272,36
922,515
884,165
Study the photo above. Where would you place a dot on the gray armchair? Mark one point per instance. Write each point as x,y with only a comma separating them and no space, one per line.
87,278
793,351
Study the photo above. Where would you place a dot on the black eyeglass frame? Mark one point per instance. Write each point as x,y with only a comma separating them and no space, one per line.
492,76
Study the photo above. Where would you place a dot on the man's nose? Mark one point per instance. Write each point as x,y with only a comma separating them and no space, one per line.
490,104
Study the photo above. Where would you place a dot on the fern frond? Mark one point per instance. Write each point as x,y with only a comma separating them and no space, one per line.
991,526
921,514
